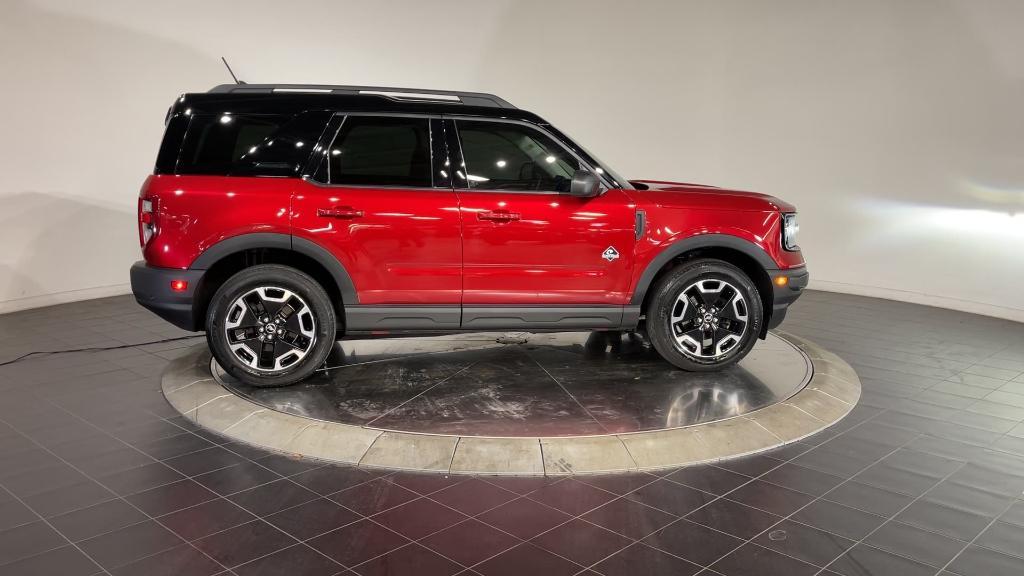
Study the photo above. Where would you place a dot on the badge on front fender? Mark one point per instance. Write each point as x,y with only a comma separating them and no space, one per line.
610,253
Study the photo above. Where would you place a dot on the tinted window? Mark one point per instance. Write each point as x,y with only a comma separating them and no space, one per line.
381,151
504,156
247,144
215,142
170,146
284,151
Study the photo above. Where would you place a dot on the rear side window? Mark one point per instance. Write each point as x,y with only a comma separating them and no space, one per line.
381,151
249,144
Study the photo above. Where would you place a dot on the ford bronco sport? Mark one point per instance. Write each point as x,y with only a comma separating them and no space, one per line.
280,218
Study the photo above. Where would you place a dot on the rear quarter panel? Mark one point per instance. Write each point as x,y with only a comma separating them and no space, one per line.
195,212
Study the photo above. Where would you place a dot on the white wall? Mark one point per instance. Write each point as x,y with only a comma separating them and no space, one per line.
897,127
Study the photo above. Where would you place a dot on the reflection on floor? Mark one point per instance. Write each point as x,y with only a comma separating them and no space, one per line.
99,475
530,385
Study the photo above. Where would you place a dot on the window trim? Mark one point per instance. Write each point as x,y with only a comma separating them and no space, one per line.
454,118
439,140
330,135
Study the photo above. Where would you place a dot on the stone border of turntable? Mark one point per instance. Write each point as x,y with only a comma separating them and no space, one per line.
831,393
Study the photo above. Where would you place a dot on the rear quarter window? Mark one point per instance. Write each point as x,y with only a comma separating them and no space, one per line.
249,144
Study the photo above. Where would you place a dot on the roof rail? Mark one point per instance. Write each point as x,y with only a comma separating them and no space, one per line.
398,94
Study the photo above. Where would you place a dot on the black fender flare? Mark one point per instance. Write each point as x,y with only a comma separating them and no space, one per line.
679,247
308,248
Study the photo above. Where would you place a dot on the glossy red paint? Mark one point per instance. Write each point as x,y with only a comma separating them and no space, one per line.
192,213
677,211
400,246
430,246
551,253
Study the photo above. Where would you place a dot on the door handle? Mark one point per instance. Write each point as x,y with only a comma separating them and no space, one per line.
498,216
343,212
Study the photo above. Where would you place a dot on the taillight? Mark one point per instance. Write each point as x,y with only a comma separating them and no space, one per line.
147,220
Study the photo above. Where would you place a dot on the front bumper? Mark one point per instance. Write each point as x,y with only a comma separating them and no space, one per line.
152,289
783,296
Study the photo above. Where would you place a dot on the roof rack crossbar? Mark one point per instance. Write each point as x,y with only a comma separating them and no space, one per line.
400,94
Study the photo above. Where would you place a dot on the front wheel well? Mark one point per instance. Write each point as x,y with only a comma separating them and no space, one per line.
231,264
751,267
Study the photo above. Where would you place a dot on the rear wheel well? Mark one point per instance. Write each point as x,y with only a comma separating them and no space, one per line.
231,264
751,267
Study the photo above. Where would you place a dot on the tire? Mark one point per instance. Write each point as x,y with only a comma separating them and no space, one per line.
287,349
719,336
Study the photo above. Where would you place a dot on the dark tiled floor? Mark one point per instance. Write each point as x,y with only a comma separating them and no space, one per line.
98,475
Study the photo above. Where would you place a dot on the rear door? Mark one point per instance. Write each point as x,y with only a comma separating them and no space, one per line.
526,241
378,204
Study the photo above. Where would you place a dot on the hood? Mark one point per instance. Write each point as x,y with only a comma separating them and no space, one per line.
686,195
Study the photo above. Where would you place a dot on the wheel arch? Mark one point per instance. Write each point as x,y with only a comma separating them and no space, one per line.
227,257
745,255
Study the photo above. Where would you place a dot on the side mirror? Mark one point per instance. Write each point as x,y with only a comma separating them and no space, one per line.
585,184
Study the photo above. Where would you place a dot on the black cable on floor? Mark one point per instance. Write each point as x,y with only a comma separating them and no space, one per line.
95,348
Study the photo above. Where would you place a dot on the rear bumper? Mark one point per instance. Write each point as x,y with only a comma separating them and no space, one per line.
152,289
783,296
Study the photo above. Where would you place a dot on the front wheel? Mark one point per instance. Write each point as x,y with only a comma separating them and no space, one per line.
704,315
270,325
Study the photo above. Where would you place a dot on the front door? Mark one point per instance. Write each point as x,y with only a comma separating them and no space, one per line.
526,241
393,224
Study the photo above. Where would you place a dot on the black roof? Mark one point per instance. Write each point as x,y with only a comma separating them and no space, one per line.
294,98
400,94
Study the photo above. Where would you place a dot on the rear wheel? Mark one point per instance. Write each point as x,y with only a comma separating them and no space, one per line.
270,325
704,315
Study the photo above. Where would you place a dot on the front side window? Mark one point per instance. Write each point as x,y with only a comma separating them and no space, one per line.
381,151
507,156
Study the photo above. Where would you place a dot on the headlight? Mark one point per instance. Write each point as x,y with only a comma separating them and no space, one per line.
790,228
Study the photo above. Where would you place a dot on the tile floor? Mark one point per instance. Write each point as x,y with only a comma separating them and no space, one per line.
99,476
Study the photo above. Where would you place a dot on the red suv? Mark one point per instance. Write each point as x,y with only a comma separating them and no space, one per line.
280,218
